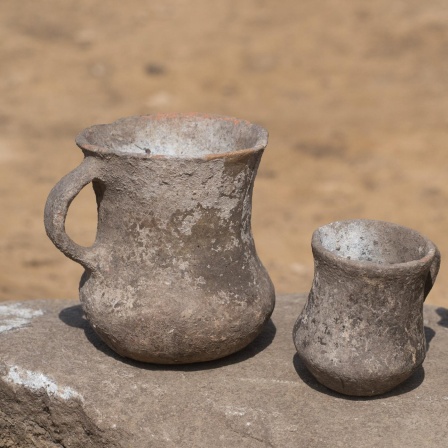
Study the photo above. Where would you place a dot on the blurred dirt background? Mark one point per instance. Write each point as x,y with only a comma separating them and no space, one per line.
354,95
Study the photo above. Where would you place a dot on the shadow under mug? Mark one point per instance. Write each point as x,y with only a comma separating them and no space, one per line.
361,331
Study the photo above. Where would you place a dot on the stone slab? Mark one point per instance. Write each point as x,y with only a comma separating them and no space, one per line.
60,386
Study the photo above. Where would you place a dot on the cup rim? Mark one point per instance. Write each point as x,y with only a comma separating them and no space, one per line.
317,245
82,142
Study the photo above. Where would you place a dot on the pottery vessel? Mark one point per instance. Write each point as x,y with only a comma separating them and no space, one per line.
361,330
173,275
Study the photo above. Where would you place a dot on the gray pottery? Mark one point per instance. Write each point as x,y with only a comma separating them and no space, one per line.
173,275
361,330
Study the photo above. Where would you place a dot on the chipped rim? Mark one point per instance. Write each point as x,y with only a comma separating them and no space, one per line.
261,143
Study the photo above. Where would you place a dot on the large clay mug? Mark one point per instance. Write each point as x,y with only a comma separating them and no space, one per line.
361,330
173,275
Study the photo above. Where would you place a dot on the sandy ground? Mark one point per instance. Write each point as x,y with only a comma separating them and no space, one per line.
354,95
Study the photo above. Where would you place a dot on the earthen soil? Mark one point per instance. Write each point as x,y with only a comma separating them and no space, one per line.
354,95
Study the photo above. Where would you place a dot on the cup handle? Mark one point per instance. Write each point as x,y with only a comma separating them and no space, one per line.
433,271
56,208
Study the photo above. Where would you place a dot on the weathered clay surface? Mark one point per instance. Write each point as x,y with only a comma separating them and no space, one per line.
68,389
361,331
173,276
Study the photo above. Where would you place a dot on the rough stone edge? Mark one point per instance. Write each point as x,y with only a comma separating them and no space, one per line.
37,412
35,418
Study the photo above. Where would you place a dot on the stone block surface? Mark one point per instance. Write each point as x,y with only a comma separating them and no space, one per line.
60,386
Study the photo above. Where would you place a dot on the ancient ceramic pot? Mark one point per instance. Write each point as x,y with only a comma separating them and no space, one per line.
173,276
361,330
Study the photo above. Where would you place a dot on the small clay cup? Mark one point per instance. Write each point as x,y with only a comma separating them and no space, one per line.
361,331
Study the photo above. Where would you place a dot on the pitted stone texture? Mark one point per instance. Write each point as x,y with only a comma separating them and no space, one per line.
68,389
16,315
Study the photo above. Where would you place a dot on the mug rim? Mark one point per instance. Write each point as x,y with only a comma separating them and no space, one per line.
317,245
94,149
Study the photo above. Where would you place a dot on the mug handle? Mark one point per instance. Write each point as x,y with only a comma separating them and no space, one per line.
56,208
433,271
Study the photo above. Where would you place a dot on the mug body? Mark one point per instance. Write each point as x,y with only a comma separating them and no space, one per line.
175,277
361,330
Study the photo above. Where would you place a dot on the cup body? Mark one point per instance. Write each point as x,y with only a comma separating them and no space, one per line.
361,330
